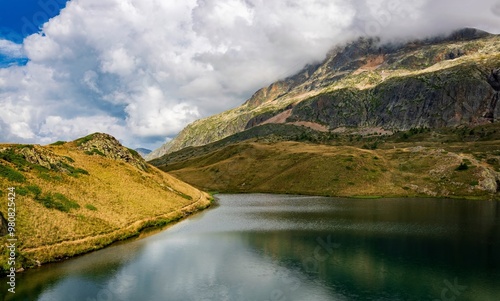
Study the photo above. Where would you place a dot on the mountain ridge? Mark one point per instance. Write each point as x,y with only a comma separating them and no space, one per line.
361,65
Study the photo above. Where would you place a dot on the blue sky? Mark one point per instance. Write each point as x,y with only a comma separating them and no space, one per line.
21,18
141,70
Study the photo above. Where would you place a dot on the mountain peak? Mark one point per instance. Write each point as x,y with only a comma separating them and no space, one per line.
366,83
108,146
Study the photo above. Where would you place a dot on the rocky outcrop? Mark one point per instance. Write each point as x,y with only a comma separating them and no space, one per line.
107,146
494,81
37,155
433,83
489,180
433,100
25,157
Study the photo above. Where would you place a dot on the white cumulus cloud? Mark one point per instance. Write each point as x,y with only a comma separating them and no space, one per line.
143,69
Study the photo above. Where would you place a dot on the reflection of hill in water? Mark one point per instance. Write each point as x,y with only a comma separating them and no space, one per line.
105,268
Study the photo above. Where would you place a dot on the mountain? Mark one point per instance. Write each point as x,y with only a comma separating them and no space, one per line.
143,151
459,162
79,196
369,87
397,120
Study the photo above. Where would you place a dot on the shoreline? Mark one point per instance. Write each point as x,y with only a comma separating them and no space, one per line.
39,256
487,198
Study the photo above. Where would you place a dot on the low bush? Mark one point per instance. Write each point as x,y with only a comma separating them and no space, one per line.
462,166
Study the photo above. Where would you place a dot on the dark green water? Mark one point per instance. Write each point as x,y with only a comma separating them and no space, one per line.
269,247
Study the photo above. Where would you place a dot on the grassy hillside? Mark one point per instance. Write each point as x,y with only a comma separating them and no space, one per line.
460,162
80,196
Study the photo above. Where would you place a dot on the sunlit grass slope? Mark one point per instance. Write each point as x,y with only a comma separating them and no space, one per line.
80,196
392,169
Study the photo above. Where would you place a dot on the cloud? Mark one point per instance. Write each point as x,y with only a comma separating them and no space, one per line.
11,49
143,69
11,54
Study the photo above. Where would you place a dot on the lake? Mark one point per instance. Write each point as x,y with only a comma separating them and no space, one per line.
275,247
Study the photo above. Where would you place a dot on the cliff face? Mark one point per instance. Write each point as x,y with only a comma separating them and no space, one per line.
439,82
459,96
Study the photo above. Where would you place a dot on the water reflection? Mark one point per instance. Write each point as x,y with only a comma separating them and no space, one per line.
267,247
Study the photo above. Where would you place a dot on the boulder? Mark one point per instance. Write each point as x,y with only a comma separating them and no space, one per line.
494,79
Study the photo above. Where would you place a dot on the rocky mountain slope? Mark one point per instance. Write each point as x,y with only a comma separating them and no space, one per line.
75,197
372,88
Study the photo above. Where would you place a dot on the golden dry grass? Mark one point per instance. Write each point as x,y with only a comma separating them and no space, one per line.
301,168
126,200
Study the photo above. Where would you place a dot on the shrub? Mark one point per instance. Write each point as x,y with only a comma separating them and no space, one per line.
462,166
58,143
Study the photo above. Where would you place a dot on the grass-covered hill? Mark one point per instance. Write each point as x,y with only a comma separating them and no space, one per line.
449,162
75,197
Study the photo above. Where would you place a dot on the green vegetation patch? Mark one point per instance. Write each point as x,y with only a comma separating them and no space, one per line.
57,201
95,151
73,171
49,177
11,174
91,207
58,143
11,156
34,189
22,191
134,153
84,140
187,197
